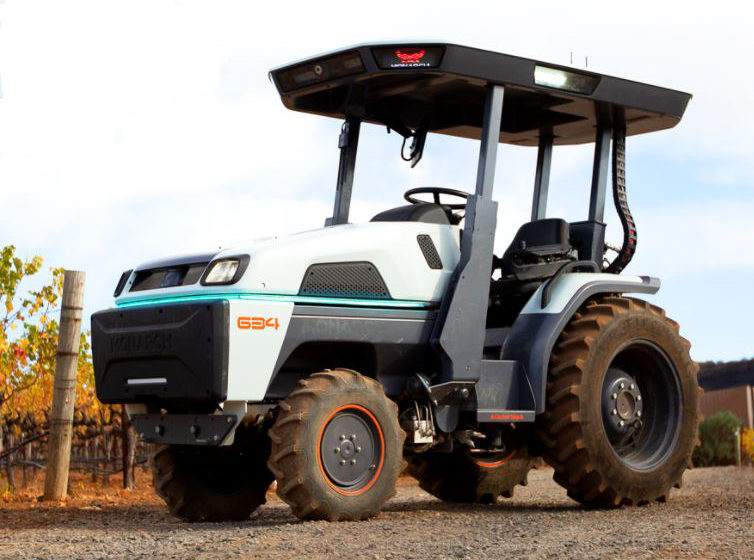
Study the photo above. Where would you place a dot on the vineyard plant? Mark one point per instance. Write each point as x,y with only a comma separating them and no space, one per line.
747,445
103,440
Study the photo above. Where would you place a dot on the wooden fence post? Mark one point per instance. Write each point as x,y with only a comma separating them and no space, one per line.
64,395
10,459
129,450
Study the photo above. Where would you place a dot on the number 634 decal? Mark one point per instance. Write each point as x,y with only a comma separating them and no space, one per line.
258,323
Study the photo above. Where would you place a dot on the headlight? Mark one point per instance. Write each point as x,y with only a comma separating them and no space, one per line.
221,272
225,271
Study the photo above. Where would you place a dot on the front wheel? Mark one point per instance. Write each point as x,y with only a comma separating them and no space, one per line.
214,483
622,404
337,447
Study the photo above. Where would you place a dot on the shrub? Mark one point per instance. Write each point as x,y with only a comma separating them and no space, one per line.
717,440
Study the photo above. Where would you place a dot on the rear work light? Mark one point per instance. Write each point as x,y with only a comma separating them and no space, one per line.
565,80
408,57
320,70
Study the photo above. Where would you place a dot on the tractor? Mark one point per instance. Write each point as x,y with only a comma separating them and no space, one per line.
332,360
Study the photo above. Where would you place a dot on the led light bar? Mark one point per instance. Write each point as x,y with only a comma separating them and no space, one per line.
565,80
313,300
148,381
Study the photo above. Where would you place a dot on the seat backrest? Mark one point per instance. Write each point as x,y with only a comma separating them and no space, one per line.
542,237
426,212
525,258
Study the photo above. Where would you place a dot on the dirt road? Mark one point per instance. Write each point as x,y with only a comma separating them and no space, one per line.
711,517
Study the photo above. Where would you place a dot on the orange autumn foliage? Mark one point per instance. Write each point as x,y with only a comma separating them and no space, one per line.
28,345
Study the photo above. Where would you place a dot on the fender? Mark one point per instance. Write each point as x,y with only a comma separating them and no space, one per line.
537,328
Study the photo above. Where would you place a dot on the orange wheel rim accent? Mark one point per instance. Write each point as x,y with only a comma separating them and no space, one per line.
382,450
493,464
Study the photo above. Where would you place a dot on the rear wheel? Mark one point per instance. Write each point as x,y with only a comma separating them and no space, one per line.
336,447
622,404
214,483
462,477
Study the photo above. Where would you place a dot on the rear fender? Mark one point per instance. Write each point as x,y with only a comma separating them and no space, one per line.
537,328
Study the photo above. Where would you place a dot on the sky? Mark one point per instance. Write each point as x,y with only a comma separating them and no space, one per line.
131,131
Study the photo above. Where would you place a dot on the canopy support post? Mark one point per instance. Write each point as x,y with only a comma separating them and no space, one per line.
348,142
459,331
493,114
599,174
542,177
591,232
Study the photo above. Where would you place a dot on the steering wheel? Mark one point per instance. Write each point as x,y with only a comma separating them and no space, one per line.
436,192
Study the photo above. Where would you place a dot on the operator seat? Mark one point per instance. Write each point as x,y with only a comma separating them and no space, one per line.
537,251
426,212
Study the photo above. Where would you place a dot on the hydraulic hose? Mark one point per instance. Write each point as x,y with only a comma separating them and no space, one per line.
628,248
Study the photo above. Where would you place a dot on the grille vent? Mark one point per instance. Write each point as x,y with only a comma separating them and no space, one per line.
350,279
429,251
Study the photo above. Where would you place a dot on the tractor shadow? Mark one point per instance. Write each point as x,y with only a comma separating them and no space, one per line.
434,505
155,519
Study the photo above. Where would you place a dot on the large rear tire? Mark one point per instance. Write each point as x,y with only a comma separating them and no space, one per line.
463,478
214,483
622,404
337,447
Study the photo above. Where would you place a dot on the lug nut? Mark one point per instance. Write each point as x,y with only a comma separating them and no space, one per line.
342,437
358,449
353,461
615,411
638,398
342,462
632,386
336,450
353,437
621,423
622,385
638,413
615,396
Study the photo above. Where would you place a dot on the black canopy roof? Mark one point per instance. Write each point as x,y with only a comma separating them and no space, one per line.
442,87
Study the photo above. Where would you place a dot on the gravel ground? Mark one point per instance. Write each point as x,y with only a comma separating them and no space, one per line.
711,517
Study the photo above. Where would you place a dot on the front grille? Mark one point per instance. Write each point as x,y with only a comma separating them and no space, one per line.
168,277
173,354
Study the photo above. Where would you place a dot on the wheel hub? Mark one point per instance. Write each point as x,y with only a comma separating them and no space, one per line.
626,405
349,449
622,402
